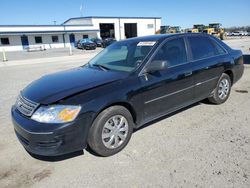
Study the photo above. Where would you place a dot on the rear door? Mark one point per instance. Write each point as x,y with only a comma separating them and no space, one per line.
207,59
167,90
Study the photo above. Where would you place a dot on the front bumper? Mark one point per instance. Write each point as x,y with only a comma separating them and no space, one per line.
89,47
50,139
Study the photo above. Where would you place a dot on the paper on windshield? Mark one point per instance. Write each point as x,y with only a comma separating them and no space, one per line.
146,43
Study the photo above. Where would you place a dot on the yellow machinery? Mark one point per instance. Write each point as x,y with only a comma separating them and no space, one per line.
194,30
212,29
168,29
198,28
209,31
218,31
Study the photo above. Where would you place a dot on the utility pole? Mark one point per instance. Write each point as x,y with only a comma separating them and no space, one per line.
81,9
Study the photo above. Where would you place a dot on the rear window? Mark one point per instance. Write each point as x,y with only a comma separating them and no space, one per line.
218,48
202,47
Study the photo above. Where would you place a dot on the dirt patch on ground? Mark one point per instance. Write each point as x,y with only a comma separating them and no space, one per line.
41,175
22,177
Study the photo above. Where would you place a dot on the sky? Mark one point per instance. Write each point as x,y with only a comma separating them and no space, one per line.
182,13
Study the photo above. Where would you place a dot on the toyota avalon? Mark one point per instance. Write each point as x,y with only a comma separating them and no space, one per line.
128,84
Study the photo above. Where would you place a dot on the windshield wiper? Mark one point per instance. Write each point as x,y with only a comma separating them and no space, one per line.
101,67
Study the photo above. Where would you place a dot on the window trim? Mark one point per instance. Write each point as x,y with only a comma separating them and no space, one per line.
38,42
4,44
85,36
57,38
142,72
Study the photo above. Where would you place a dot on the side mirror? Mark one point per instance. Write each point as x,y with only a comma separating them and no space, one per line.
157,65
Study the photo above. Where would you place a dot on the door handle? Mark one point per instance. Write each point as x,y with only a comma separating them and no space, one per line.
188,73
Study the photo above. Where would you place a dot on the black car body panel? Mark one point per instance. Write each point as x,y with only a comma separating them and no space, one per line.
98,42
67,83
147,96
108,41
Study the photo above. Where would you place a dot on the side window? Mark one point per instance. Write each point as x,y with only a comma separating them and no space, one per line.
201,47
5,41
173,51
55,38
38,40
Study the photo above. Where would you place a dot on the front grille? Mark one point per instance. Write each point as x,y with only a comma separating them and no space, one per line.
25,106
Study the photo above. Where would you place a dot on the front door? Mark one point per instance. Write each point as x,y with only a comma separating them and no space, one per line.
25,42
168,90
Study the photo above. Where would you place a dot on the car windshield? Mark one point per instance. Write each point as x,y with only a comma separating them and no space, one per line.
85,40
123,56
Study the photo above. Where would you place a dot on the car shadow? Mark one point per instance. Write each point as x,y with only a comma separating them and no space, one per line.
246,58
57,158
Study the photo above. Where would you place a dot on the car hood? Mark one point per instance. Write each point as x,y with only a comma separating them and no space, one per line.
54,87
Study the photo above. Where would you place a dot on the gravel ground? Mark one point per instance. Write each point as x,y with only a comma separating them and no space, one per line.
201,146
53,52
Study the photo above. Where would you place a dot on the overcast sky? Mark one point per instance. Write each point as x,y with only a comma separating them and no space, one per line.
184,13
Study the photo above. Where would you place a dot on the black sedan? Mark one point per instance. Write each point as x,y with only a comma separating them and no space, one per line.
98,42
108,41
86,44
128,84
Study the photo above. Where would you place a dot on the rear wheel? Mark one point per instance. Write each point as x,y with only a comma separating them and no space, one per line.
222,90
111,131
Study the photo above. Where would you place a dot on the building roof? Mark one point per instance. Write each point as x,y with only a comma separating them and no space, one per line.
110,17
46,32
44,25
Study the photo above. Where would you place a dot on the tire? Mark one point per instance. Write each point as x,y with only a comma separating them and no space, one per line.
111,131
222,90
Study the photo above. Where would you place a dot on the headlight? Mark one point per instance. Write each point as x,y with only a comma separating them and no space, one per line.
56,113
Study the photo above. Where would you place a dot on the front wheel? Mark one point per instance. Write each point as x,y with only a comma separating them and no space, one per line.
111,131
222,90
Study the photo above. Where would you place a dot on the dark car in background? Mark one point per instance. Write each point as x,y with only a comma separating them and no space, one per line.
86,44
127,85
108,41
98,42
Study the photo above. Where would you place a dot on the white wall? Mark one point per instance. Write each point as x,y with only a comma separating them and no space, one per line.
15,43
96,24
46,32
92,30
142,25
46,41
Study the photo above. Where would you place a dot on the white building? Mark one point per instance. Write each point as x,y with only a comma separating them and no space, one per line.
23,37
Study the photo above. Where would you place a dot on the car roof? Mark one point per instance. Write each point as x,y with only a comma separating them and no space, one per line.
163,36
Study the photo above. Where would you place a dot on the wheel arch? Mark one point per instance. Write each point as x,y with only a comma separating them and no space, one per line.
231,75
126,105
